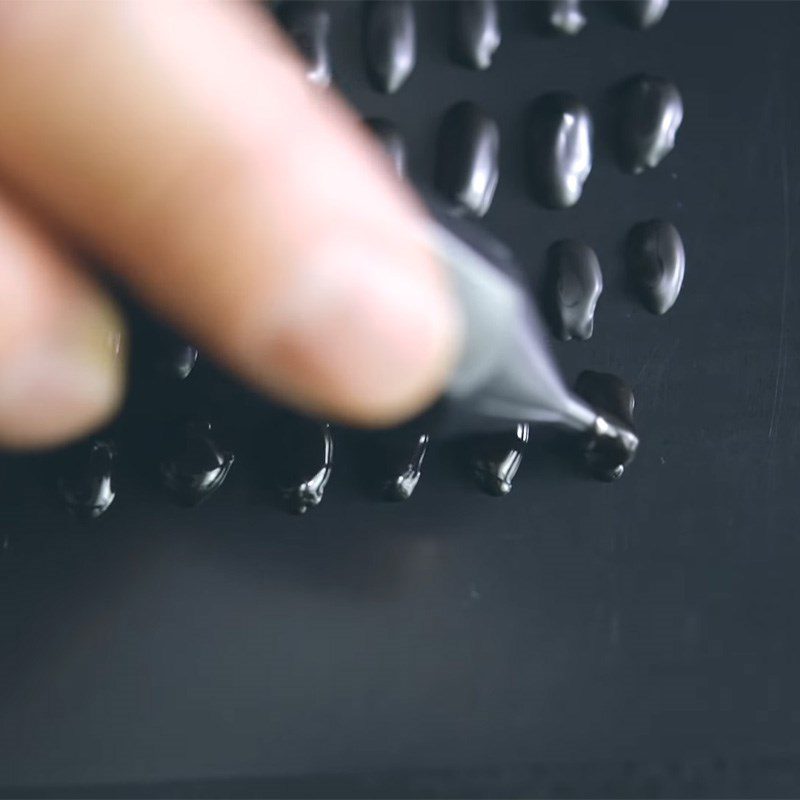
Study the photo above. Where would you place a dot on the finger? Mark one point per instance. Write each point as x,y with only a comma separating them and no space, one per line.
61,343
183,142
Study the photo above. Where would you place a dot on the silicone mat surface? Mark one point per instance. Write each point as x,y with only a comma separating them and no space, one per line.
574,638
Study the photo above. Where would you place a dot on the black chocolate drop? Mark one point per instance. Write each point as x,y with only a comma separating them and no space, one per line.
305,450
196,467
392,142
574,283
606,456
656,263
308,24
560,141
403,457
564,16
476,32
177,359
390,43
87,483
497,458
643,14
467,167
650,113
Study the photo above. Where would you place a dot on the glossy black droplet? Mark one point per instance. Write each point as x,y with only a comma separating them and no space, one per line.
476,32
390,43
656,264
467,168
402,454
308,24
177,359
392,142
86,484
650,113
560,149
642,14
564,16
305,451
196,466
497,457
573,286
611,446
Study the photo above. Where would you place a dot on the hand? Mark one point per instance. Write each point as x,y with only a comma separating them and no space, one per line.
181,144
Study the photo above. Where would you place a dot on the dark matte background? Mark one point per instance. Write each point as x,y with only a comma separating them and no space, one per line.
574,638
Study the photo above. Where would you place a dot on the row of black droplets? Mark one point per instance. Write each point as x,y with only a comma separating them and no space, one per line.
194,464
390,33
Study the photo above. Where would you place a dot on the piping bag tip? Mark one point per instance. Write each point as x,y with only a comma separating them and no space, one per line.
506,373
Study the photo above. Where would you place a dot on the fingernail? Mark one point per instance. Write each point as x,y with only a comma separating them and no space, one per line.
66,381
365,333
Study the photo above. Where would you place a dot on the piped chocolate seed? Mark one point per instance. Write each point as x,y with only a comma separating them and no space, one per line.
573,286
87,482
390,43
560,149
497,459
650,114
476,32
467,167
196,466
612,444
656,263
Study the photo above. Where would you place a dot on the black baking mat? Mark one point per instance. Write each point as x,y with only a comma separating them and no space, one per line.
574,638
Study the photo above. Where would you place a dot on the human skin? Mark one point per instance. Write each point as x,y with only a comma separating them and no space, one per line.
180,144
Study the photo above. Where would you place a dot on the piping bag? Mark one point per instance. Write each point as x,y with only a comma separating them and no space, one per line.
506,374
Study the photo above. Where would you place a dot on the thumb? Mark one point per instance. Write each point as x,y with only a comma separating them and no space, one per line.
182,143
